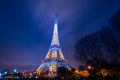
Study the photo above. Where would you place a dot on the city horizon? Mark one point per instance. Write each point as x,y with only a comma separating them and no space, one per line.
49,37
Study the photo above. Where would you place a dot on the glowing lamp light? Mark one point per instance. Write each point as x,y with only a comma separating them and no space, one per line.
0,74
89,67
15,70
5,72
76,71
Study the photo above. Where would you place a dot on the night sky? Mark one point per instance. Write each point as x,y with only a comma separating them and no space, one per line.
26,27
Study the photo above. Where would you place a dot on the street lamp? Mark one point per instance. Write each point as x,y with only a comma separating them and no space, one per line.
76,71
15,70
89,67
5,72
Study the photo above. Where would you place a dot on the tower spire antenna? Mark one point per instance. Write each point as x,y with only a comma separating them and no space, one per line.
55,38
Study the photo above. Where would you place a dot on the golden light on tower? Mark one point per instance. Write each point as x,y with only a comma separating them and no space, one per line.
54,58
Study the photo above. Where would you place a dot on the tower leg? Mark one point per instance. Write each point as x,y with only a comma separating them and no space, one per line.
52,70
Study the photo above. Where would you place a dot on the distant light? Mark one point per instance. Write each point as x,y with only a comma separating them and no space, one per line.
5,72
0,74
89,67
15,70
76,71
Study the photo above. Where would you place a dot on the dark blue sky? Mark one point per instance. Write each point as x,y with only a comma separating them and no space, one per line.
26,27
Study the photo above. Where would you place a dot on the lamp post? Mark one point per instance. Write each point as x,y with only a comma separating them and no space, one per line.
89,67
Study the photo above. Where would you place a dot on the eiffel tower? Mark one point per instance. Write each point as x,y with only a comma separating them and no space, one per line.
54,58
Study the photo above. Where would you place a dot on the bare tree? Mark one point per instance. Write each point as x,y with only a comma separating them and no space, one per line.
90,50
95,48
108,38
115,21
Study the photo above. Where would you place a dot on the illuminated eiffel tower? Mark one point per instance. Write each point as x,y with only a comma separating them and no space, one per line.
54,58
